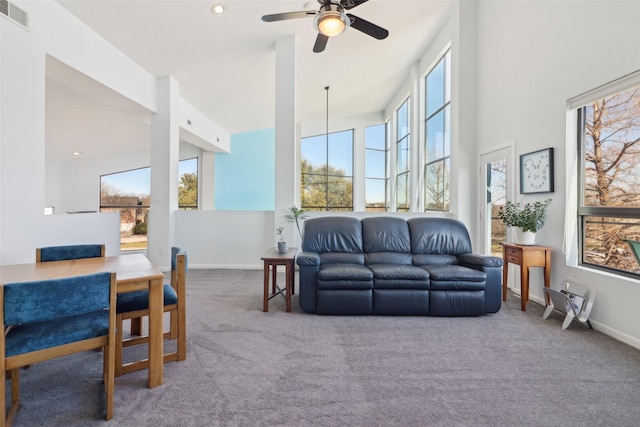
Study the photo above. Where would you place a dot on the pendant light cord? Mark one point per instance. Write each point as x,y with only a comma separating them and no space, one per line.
327,121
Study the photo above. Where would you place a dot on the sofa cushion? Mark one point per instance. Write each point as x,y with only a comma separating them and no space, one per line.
455,277
438,236
332,234
344,276
385,234
390,276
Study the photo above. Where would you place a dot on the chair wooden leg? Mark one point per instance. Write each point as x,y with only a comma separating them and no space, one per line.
4,376
173,331
118,349
15,396
181,317
109,374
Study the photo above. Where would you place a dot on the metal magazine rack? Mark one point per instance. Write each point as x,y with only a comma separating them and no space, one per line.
573,299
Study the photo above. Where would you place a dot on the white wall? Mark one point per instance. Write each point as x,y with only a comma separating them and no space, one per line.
225,239
532,57
26,184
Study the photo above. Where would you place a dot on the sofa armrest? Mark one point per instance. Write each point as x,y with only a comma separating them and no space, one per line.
308,258
492,267
309,263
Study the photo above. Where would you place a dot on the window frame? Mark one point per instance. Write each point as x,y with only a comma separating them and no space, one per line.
327,176
404,174
584,212
386,178
430,117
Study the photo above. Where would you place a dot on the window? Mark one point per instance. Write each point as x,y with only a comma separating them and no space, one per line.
129,193
188,184
327,172
402,158
438,136
609,193
376,168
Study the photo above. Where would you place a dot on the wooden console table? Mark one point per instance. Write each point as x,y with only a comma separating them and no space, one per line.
272,259
526,257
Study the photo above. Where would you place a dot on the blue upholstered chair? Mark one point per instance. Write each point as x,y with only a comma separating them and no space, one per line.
50,318
59,253
135,305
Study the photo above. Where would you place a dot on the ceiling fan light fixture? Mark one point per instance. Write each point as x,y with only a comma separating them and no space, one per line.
331,23
217,9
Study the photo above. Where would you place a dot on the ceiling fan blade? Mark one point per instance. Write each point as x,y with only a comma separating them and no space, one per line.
367,27
321,43
350,4
289,15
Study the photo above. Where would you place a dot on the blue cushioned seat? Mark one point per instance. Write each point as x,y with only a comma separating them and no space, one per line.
46,334
46,319
139,300
135,305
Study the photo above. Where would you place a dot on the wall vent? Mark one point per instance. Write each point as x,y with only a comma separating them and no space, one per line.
14,13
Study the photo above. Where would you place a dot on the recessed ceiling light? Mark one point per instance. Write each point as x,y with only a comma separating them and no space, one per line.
76,153
217,9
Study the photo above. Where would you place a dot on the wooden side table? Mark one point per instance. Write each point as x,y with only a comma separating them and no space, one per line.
272,259
526,257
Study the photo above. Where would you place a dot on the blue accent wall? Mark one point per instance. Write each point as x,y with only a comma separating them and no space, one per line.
245,178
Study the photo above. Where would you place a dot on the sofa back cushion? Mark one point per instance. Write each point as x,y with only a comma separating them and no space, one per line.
386,240
337,239
438,236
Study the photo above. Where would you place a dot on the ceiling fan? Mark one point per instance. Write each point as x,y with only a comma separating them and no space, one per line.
331,20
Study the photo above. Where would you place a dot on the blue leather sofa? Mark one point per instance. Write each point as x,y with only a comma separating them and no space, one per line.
391,266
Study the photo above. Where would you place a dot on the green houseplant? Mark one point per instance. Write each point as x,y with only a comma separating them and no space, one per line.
529,218
296,215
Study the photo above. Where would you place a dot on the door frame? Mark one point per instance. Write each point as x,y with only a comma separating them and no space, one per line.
504,150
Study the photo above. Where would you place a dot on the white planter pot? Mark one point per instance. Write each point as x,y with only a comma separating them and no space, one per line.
525,237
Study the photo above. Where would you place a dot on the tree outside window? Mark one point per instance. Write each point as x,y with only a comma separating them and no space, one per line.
327,172
437,169
129,193
609,205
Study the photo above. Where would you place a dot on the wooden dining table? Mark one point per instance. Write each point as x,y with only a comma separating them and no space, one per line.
133,272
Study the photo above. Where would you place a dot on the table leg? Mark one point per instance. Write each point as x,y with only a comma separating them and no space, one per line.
265,301
293,278
524,286
505,276
156,351
288,285
274,277
547,274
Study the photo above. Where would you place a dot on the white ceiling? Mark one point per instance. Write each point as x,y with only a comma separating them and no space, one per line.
225,64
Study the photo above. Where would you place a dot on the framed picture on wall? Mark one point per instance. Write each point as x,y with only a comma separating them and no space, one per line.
536,172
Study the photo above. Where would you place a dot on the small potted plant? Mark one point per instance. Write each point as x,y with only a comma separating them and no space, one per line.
282,245
527,219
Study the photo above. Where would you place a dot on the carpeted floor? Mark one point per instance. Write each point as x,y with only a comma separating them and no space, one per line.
249,368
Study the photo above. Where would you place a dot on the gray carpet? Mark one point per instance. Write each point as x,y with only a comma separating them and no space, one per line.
249,368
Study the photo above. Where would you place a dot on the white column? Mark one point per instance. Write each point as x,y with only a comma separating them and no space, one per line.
463,110
207,180
165,147
287,158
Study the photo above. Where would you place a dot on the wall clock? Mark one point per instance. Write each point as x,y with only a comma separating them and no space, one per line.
536,172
